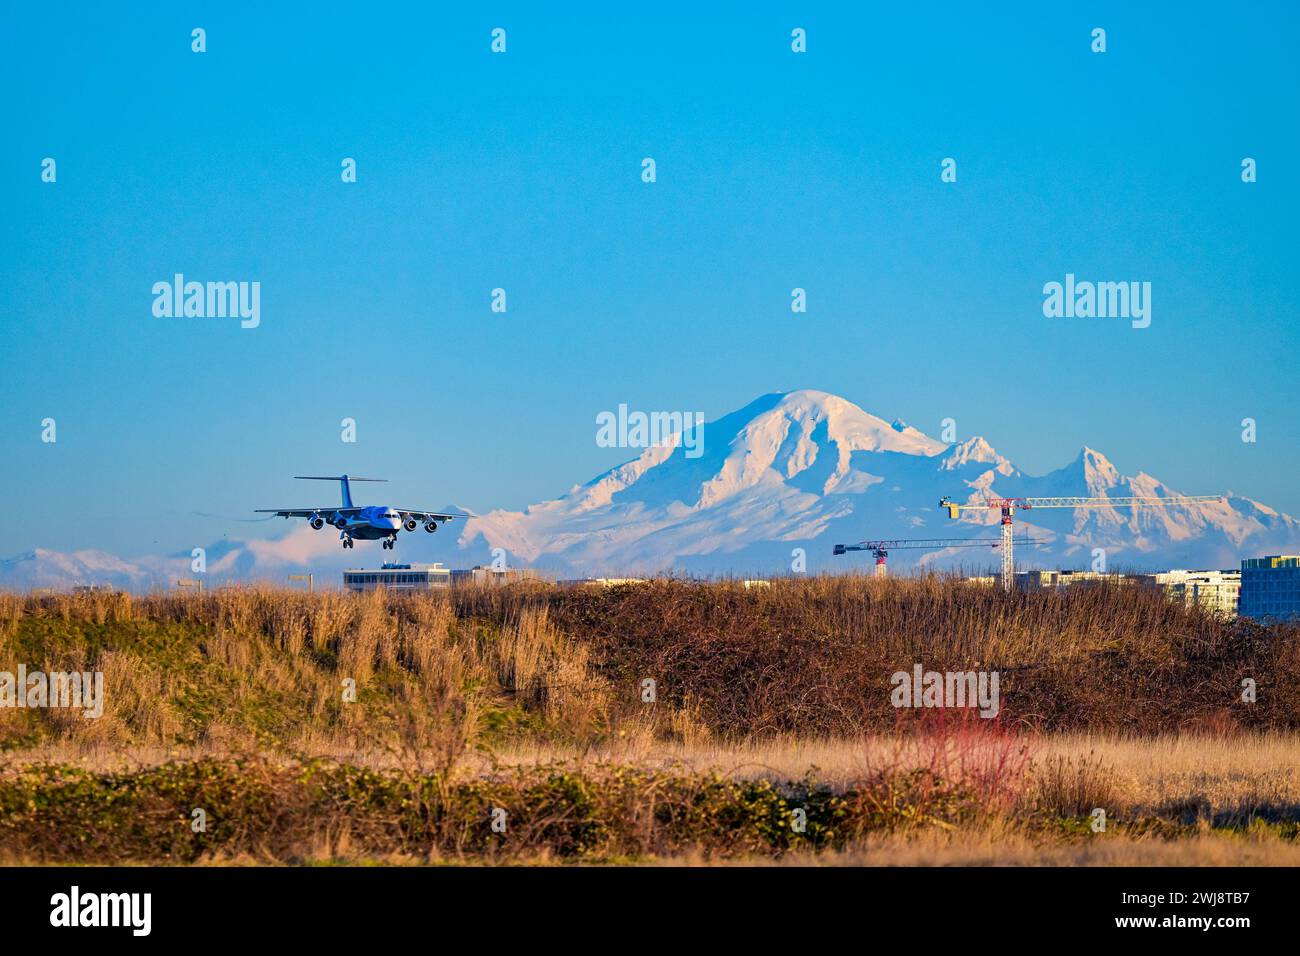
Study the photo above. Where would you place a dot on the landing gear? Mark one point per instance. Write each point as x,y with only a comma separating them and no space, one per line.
347,541
389,543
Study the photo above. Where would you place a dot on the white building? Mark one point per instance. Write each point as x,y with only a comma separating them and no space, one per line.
490,575
398,577
1032,580
1216,591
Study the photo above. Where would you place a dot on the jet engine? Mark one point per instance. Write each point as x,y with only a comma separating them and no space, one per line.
317,522
411,524
431,526
340,522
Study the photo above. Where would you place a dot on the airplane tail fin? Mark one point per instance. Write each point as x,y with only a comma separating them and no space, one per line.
343,481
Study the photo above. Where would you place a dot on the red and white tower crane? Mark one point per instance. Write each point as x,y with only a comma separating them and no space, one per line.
1009,506
882,548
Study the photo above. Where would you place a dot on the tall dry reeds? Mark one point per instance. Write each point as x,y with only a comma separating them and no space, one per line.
811,657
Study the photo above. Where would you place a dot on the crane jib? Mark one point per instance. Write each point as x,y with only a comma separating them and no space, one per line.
1008,507
1082,502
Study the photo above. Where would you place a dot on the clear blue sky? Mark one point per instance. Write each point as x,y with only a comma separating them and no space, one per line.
522,170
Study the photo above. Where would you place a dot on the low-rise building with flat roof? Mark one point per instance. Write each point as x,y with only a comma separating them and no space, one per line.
1032,580
490,575
1216,591
398,577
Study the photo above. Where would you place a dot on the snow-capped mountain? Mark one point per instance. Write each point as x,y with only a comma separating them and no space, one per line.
797,470
53,569
809,469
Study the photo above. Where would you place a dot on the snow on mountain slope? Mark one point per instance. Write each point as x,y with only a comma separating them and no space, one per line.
52,569
779,469
809,469
802,469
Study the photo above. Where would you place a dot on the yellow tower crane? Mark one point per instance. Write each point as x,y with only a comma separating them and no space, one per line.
1009,506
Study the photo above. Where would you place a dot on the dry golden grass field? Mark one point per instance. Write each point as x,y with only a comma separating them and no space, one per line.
770,736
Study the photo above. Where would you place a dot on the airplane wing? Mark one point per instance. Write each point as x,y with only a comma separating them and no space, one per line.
308,512
427,515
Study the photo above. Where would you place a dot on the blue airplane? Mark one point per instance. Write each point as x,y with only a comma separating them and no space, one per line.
370,523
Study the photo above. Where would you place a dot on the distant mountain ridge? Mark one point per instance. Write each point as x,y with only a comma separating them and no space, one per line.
803,469
809,469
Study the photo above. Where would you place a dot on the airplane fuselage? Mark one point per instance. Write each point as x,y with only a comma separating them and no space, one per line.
370,524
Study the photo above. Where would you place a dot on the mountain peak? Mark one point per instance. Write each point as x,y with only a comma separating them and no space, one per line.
861,429
1099,474
975,451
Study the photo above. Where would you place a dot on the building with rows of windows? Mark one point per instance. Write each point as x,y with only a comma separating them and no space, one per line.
398,577
426,577
1216,591
1270,587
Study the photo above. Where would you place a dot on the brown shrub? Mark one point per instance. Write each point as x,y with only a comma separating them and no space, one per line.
810,657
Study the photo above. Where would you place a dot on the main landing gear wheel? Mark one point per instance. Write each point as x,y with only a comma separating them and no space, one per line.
347,542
